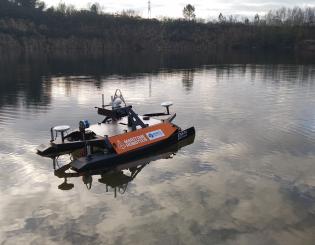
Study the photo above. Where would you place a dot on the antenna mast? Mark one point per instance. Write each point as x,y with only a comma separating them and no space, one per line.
149,9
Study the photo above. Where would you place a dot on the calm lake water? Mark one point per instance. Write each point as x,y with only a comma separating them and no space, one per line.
249,177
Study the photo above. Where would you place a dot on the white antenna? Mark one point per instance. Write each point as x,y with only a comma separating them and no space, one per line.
149,9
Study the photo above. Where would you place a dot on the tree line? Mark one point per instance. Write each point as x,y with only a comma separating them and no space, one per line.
65,27
36,8
282,16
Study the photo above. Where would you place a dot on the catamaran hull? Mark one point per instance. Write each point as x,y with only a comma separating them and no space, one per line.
100,161
55,149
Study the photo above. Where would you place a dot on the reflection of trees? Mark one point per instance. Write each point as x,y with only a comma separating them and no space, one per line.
268,73
28,80
284,73
188,79
23,82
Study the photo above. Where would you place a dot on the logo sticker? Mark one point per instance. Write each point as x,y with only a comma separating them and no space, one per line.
182,134
155,134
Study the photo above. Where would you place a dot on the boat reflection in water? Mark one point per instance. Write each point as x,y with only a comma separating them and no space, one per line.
117,177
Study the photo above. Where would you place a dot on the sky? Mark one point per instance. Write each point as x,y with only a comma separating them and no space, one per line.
204,8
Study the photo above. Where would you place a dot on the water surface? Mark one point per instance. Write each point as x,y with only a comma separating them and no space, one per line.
249,177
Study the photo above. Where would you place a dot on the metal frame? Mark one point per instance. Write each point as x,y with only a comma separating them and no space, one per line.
115,114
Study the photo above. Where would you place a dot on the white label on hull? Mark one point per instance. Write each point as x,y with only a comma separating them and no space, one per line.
182,134
135,140
131,141
155,134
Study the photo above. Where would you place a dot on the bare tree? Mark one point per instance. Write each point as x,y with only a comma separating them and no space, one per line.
288,16
232,19
65,9
310,16
189,12
221,18
62,8
130,13
95,8
256,19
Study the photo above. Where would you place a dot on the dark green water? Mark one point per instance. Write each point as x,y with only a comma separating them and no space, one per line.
249,177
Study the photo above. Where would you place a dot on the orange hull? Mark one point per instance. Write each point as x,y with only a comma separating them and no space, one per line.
145,136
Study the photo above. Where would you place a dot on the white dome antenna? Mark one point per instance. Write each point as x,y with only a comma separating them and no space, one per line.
167,105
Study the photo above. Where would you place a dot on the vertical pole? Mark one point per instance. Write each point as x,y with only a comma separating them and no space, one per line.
51,134
149,9
103,103
85,144
62,137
